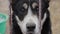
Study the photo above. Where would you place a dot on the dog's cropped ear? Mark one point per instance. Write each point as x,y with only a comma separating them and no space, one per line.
47,1
13,1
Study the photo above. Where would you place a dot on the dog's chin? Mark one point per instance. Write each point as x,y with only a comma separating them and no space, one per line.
30,32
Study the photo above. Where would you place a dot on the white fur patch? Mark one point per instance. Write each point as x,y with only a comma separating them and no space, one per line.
43,20
34,4
25,5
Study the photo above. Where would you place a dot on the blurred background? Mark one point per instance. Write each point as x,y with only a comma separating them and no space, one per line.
54,8
55,16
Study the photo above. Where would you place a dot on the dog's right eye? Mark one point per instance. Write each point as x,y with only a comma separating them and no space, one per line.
22,9
25,5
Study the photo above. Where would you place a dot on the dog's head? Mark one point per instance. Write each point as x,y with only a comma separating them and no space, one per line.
27,13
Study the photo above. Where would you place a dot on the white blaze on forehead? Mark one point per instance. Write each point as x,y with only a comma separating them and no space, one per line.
25,5
29,11
34,4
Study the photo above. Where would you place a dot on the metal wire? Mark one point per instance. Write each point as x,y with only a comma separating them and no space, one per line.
40,14
10,18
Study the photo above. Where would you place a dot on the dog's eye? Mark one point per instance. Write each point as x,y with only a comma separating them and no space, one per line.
22,9
25,5
35,6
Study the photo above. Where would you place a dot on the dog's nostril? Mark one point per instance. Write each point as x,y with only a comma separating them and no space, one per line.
30,27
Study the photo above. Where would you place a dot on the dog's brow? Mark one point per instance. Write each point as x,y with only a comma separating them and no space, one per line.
25,5
34,4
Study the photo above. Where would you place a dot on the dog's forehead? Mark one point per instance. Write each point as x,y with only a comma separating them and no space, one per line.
28,1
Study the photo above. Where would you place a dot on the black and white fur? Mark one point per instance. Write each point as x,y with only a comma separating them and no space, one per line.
26,12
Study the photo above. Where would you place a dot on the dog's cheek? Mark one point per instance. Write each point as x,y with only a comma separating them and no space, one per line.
43,20
21,24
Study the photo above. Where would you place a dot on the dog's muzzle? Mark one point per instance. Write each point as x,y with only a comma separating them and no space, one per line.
30,28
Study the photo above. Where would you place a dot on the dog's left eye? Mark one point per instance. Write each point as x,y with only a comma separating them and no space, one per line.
23,9
36,8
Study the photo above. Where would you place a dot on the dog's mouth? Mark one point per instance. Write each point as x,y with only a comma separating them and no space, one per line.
30,32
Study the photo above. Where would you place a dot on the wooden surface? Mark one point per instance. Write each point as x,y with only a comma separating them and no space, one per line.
54,11
55,16
4,8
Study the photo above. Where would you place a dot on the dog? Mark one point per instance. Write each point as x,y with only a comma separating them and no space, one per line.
25,18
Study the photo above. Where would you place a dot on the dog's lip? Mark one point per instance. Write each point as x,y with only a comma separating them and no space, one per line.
30,32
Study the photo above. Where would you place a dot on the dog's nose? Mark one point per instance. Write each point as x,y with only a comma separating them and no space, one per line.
30,26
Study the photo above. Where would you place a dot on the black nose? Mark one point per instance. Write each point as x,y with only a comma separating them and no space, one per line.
30,26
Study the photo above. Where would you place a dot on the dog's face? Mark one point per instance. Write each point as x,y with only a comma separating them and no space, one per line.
27,13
